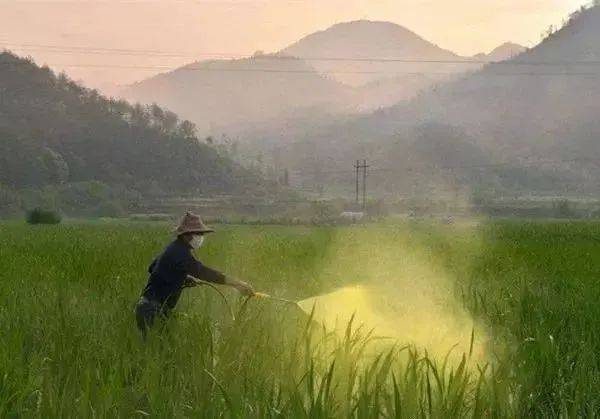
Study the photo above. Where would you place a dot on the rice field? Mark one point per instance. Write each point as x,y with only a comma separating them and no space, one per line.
397,320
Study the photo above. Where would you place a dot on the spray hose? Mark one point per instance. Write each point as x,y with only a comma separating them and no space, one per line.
256,295
208,284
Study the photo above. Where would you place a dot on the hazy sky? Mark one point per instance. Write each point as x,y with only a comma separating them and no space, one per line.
196,29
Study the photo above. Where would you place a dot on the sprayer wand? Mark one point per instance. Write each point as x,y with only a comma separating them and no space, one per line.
256,295
270,297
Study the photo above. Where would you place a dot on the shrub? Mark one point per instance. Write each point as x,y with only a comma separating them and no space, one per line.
41,216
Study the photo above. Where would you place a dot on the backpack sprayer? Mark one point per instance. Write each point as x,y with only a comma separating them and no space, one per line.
255,295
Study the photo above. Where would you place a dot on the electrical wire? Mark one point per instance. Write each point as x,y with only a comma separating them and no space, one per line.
311,72
219,56
421,166
283,57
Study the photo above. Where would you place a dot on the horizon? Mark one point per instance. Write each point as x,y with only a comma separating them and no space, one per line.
264,24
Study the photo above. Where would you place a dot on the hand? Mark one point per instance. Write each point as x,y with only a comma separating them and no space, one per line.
191,282
244,288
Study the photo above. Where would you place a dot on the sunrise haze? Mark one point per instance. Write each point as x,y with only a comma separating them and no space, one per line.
191,30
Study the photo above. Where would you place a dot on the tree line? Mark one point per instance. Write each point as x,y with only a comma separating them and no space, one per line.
54,131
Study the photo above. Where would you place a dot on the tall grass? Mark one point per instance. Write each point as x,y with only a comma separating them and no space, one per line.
70,347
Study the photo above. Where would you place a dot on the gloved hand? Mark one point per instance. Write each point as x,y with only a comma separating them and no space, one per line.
243,287
191,282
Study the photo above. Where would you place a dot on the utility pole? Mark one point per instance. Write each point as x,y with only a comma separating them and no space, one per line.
358,167
364,167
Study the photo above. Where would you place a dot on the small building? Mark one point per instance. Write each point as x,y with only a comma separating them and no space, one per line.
352,216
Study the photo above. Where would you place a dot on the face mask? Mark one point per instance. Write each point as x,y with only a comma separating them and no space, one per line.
197,241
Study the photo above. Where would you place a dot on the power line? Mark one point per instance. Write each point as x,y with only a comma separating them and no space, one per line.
314,72
163,53
57,49
471,166
489,165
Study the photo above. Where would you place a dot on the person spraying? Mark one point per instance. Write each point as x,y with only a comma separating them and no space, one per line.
176,268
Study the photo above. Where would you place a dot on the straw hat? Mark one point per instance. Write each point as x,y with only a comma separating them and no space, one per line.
192,223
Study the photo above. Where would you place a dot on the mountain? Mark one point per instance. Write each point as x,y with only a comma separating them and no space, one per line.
345,51
505,52
326,72
233,95
385,62
528,124
529,103
281,105
56,133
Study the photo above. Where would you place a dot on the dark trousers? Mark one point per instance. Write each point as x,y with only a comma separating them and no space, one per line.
146,312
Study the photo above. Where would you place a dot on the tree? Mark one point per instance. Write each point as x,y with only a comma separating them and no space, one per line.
139,116
187,129
286,177
53,131
56,166
170,121
158,116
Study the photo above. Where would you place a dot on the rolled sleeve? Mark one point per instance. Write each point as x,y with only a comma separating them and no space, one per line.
191,266
208,274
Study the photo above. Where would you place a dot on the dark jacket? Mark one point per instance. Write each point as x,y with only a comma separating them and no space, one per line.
169,271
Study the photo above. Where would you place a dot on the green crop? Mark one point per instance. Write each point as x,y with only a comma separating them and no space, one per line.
69,346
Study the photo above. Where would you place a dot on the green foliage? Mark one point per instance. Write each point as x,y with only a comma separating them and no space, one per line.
53,131
89,199
538,283
70,347
42,216
28,163
96,199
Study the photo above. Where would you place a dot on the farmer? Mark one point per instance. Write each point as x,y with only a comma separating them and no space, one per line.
177,268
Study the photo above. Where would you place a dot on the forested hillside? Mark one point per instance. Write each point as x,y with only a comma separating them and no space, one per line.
526,125
55,133
236,95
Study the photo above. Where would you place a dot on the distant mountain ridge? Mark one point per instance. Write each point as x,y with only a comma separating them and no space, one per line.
506,51
364,40
233,95
328,72
529,123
